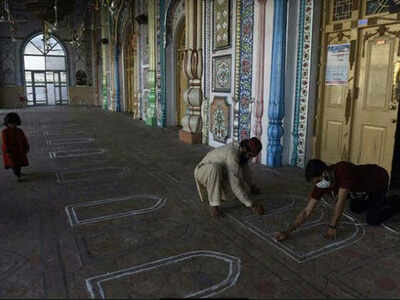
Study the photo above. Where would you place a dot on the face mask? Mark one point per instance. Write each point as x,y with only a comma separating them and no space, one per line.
323,184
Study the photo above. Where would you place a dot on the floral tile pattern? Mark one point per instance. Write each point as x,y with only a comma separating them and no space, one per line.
302,82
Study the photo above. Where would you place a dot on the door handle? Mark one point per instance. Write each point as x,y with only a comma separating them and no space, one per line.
394,121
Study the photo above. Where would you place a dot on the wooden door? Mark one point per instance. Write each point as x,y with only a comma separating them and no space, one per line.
375,109
335,117
181,79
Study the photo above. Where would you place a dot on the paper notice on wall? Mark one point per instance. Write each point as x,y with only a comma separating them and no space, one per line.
337,65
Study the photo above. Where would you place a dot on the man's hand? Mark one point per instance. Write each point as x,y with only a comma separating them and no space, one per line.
281,236
331,234
258,209
255,190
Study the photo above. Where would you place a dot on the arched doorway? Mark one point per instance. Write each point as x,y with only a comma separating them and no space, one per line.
45,71
180,76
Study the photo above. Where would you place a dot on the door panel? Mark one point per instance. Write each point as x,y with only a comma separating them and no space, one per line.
373,140
334,140
378,74
375,110
333,145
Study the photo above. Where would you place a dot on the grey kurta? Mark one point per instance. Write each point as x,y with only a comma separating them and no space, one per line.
219,175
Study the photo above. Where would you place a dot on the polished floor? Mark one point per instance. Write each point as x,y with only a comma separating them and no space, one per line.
108,208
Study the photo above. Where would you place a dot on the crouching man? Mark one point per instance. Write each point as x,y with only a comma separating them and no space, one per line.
224,172
342,179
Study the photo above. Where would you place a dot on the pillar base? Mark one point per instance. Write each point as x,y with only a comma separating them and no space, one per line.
189,138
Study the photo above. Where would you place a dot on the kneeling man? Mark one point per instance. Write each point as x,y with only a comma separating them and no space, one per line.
224,171
343,179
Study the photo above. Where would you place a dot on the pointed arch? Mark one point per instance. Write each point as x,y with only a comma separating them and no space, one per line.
45,70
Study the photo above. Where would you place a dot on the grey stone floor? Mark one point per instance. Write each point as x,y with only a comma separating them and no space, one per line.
109,209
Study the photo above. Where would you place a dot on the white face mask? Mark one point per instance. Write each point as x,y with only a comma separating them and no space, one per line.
323,184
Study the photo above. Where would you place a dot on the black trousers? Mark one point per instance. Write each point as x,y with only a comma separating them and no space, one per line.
17,171
379,208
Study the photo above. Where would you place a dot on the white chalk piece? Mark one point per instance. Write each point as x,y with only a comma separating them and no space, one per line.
75,221
95,288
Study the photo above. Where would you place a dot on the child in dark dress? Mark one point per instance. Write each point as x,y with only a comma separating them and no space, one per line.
15,145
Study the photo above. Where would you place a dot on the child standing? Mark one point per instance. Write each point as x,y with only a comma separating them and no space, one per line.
15,145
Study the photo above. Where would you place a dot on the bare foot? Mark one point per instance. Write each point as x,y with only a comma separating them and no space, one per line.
216,212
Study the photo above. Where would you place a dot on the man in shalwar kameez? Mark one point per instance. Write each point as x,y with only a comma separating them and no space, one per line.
224,173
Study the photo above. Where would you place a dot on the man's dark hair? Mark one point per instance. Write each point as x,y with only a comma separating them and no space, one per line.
315,168
12,118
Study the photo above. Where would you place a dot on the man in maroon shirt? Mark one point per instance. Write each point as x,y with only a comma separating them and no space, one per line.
342,179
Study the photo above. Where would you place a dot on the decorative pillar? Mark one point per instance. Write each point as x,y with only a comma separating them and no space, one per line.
104,36
95,67
276,108
259,111
163,66
299,131
117,98
244,59
193,64
151,119
116,94
207,14
111,103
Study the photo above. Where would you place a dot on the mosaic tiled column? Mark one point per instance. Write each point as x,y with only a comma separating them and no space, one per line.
276,109
259,111
116,78
246,69
299,131
104,35
111,81
163,65
207,6
191,122
151,119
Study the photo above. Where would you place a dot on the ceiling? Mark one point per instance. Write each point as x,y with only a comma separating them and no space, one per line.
25,9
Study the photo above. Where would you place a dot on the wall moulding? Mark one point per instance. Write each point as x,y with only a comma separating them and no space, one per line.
221,24
220,123
222,73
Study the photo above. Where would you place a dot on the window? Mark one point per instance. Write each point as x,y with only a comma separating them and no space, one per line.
376,7
45,72
342,9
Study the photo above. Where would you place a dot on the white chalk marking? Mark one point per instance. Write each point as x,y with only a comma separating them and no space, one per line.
357,235
61,132
95,282
388,227
75,153
61,179
70,141
75,221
